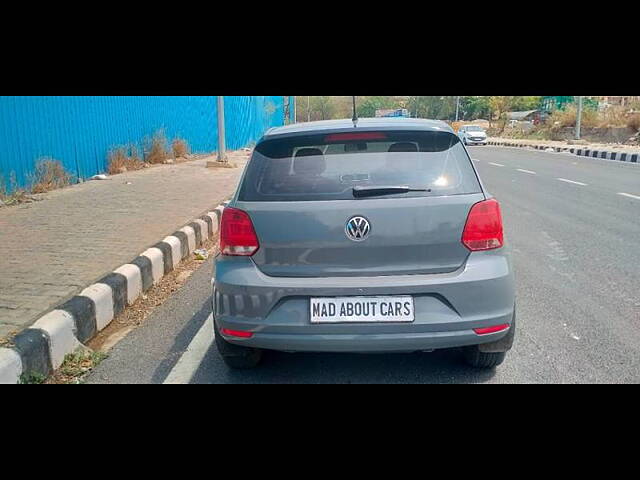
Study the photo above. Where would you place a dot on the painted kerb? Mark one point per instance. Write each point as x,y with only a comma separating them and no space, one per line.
584,152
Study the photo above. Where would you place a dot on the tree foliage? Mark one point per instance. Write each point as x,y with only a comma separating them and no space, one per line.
367,106
433,107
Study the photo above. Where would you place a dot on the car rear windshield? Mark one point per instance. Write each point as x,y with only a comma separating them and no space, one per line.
329,166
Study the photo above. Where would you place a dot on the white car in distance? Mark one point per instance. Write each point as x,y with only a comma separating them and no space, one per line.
472,135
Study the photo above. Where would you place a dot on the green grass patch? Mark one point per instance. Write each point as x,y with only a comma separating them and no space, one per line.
32,379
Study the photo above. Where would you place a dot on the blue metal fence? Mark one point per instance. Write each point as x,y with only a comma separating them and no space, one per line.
80,130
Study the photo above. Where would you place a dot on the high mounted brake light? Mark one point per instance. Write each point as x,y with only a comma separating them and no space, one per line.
237,235
348,137
483,230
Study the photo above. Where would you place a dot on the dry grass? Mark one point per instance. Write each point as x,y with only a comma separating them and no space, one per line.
612,117
17,195
180,148
124,159
633,122
3,187
568,116
156,148
48,175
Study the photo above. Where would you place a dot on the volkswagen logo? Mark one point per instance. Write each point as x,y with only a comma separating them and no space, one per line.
358,229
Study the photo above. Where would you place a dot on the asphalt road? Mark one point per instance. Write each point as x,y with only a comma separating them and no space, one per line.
574,226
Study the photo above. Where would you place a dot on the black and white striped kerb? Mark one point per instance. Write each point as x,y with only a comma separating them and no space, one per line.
41,348
583,152
184,243
144,264
83,311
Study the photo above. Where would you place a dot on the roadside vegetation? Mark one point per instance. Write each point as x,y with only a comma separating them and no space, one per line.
11,195
180,148
32,379
76,366
49,174
434,107
124,159
614,124
156,150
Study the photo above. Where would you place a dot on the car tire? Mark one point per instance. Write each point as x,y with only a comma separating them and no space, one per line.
477,359
490,355
237,356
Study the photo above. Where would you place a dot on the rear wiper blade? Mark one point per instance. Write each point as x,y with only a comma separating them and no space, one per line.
386,190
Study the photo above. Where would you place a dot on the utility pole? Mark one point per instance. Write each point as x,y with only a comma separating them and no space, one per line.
308,109
222,147
355,113
579,118
457,108
287,113
295,109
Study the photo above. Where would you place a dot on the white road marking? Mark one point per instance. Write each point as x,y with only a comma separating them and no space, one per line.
475,159
526,171
572,181
496,164
629,195
190,361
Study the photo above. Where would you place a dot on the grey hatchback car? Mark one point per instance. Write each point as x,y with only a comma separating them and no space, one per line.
369,236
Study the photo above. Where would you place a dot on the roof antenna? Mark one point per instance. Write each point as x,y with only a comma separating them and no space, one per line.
355,113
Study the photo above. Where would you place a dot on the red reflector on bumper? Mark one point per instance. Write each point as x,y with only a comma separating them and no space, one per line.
494,329
236,333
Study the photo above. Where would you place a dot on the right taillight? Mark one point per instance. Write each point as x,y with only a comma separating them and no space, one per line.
483,230
237,235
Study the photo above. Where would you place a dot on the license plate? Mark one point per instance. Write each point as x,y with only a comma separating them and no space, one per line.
362,309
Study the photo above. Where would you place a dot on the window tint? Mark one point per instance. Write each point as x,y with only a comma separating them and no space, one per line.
327,167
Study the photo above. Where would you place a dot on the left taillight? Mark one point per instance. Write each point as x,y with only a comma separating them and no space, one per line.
237,235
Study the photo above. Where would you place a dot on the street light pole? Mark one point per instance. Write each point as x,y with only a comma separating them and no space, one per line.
579,118
295,109
355,113
222,147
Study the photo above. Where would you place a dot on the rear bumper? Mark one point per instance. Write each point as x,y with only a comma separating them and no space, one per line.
364,343
447,306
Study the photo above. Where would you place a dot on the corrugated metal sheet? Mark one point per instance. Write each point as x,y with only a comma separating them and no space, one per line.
80,130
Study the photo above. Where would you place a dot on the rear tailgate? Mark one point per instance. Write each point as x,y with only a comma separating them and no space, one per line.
407,236
299,195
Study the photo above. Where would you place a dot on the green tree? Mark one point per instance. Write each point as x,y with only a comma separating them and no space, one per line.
520,104
499,106
433,107
367,106
343,107
323,108
473,108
